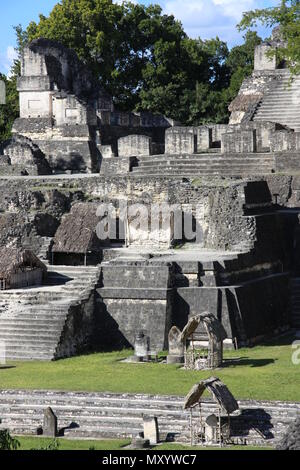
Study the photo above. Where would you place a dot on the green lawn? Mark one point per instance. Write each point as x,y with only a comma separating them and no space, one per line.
265,372
40,443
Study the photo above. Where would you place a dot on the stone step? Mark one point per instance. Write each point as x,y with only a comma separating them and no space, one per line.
32,336
165,169
76,269
54,326
123,414
203,165
280,104
189,174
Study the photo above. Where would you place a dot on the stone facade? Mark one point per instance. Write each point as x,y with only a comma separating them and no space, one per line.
58,100
233,181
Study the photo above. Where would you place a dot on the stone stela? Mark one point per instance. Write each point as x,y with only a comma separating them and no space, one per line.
50,423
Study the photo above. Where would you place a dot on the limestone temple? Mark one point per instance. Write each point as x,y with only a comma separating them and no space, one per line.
238,184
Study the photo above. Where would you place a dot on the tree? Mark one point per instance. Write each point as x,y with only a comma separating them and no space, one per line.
10,111
116,41
240,62
287,16
142,57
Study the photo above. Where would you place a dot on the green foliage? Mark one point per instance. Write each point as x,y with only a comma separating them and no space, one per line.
287,16
143,58
54,444
7,442
10,111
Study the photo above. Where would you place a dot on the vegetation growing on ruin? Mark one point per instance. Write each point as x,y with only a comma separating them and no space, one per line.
263,372
287,16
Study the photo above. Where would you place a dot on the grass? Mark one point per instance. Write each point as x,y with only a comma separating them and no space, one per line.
264,372
40,443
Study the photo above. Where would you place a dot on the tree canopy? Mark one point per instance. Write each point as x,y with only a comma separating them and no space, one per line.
287,16
144,59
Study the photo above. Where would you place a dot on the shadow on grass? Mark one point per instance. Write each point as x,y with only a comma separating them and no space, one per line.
7,367
246,361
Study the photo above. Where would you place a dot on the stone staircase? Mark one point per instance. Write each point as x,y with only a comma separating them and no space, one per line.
107,415
281,103
295,295
32,320
194,165
45,248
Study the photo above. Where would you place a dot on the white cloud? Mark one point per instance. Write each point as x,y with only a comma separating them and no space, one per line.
210,18
7,59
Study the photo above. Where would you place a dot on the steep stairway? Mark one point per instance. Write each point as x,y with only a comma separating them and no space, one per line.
281,103
194,165
32,320
107,415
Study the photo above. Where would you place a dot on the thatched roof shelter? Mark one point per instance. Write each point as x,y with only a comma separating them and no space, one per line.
77,231
190,328
13,260
213,327
217,389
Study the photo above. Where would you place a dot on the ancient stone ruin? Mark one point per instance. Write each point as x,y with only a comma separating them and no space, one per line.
214,429
198,218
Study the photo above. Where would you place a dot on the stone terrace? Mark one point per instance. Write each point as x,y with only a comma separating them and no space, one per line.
107,415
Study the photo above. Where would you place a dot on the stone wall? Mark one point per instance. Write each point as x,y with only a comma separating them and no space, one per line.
134,145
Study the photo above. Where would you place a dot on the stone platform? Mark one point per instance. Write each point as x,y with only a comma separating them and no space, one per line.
107,415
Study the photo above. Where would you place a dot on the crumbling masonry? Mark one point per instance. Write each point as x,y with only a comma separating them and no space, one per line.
72,151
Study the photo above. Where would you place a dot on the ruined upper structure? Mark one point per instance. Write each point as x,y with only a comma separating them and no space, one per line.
66,114
270,94
58,102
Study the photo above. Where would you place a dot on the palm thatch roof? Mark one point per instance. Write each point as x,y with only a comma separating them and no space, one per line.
217,389
13,260
77,231
213,327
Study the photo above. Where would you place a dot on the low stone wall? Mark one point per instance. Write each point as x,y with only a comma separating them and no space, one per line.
285,141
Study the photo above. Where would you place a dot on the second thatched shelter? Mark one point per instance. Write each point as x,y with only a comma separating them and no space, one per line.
20,268
76,240
216,428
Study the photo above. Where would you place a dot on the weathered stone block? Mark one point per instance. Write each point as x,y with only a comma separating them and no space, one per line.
142,345
285,141
204,138
50,423
180,140
239,141
134,145
176,347
261,59
148,227
151,431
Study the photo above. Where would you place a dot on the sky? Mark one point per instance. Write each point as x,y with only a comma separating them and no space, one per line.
200,18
